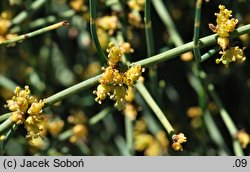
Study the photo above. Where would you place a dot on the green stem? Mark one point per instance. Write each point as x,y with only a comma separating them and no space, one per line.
150,45
215,133
98,117
209,53
65,135
204,42
129,134
72,90
83,147
153,105
197,24
6,124
121,144
7,83
5,116
92,4
35,33
7,137
224,114
167,21
148,29
24,14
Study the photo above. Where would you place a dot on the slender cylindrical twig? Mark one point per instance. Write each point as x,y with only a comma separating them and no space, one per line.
7,83
51,19
24,14
150,44
129,134
6,124
215,133
92,6
204,42
99,116
196,82
65,135
35,33
148,29
197,23
121,145
167,21
7,137
156,109
167,55
209,53
224,114
72,90
85,150
5,116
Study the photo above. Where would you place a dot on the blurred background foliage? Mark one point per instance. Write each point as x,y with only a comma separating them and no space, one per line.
58,59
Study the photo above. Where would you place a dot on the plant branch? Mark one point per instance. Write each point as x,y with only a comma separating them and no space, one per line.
167,55
94,36
129,134
7,83
204,42
72,90
150,44
197,23
99,116
148,29
209,53
35,33
224,114
65,135
7,137
5,116
167,21
153,105
6,124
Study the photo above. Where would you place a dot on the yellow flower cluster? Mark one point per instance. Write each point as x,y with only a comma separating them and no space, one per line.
130,108
49,125
114,81
78,5
108,23
106,26
177,141
2,137
225,25
134,17
231,55
149,144
195,113
126,48
244,138
137,5
5,23
80,130
21,105
55,126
